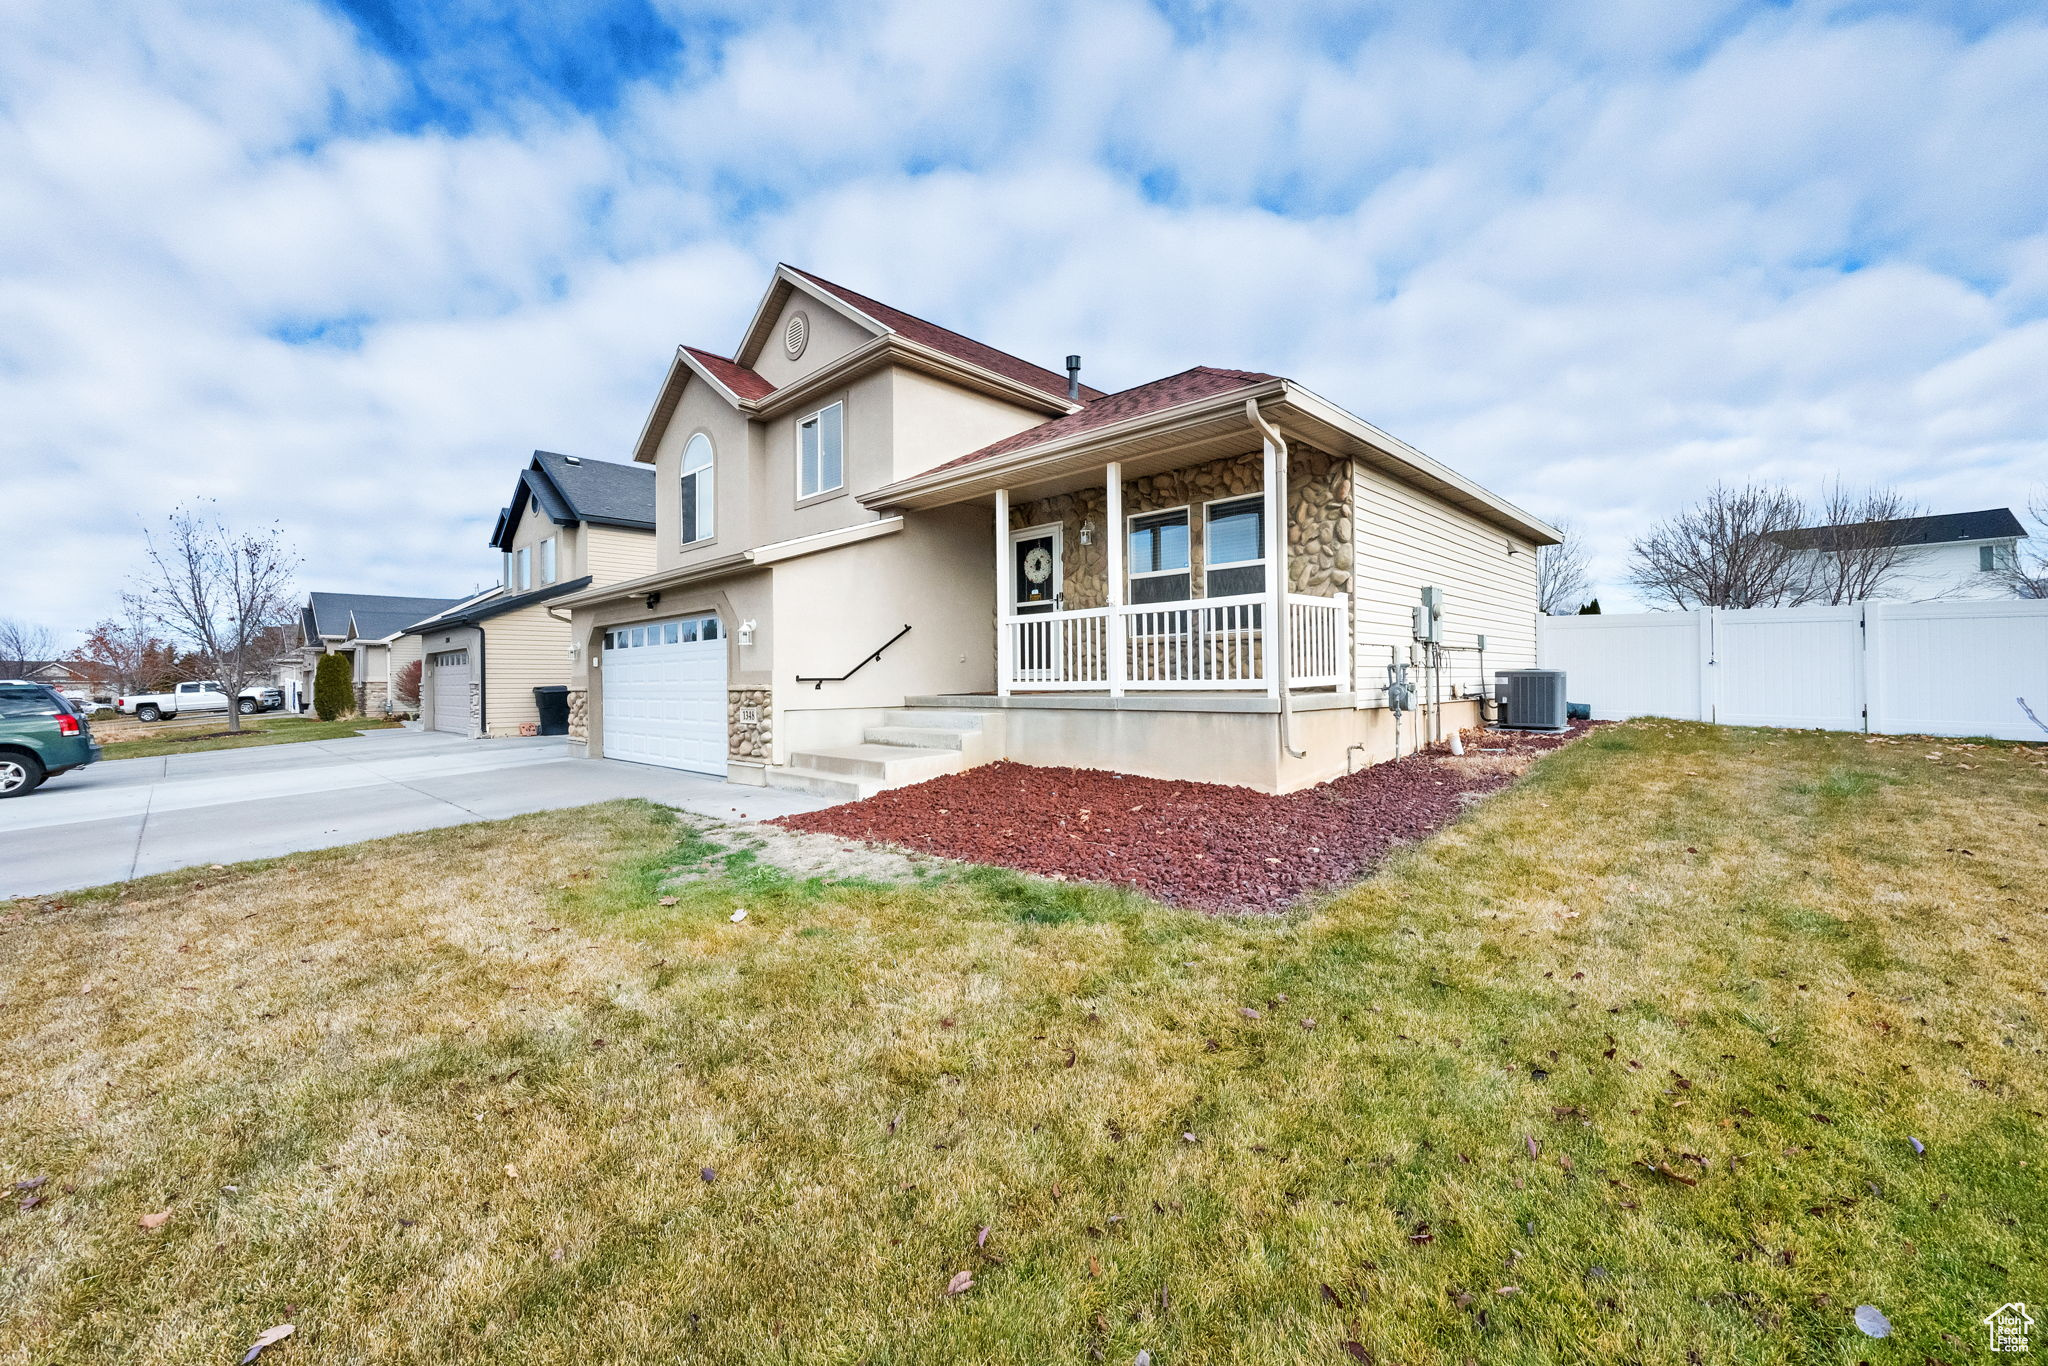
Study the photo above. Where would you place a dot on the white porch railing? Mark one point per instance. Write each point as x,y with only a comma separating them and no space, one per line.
1199,644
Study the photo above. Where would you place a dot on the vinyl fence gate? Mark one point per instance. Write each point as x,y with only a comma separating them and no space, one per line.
1914,668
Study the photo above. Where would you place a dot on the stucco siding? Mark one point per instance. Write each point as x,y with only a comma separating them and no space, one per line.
832,335
1405,540
935,422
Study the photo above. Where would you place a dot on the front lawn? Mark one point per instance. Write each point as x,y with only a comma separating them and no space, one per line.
1626,1066
262,729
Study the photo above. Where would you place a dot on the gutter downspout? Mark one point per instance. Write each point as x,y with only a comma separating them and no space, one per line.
1277,659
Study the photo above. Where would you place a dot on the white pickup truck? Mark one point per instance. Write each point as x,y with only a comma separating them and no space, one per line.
197,697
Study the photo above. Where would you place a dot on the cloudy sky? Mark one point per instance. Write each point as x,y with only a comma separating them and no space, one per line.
341,265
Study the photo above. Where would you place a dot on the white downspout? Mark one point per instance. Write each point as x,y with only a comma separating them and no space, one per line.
1276,559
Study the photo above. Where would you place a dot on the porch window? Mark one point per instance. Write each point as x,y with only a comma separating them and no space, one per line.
547,560
1159,556
698,493
821,452
1234,547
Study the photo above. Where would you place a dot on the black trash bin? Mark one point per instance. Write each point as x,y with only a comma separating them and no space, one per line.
553,701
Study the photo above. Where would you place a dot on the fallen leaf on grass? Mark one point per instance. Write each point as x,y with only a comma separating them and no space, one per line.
269,1337
738,915
1919,1148
1871,1322
709,1174
1509,1290
157,1220
1664,1169
981,1238
1332,1296
962,1282
1356,1351
669,901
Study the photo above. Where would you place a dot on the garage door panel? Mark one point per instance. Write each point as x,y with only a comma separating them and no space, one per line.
451,675
664,694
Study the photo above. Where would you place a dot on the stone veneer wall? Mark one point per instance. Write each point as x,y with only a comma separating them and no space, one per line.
1318,523
754,741
579,714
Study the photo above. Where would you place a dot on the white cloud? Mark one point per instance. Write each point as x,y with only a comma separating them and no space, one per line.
1596,259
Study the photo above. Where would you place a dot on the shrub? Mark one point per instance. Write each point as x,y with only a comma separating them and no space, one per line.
334,687
405,687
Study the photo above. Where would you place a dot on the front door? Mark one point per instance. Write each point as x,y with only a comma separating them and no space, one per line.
1035,569
1036,586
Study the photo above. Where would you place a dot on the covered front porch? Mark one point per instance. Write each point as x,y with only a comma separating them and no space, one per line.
1180,576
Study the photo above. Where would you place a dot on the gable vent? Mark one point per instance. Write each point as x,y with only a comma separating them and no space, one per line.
795,334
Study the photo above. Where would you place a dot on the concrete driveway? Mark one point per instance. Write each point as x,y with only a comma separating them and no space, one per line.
129,817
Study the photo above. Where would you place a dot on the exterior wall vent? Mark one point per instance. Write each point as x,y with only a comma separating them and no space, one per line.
796,334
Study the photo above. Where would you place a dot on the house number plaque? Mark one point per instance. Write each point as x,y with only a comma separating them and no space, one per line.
750,716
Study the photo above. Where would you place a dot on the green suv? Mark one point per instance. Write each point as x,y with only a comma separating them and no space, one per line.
41,735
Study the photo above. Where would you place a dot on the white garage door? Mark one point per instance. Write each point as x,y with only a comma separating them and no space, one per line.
664,694
450,674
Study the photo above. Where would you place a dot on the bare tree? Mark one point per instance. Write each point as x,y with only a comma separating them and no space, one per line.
2026,573
1857,546
1727,550
23,644
222,594
124,653
1562,582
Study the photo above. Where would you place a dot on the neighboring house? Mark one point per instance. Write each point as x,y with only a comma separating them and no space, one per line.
1952,555
572,524
69,679
885,550
365,626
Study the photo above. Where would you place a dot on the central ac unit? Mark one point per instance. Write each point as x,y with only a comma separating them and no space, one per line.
1530,699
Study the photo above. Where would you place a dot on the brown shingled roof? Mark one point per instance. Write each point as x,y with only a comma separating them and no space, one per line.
732,374
951,342
1202,381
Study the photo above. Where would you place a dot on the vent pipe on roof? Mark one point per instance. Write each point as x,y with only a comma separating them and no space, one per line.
1074,377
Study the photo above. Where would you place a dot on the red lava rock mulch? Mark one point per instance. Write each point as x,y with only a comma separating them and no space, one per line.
1203,845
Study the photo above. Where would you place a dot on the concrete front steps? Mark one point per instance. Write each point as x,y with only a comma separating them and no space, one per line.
909,746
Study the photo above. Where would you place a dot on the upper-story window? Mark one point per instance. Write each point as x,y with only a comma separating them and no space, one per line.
1994,559
547,560
511,572
525,575
821,452
698,493
1234,547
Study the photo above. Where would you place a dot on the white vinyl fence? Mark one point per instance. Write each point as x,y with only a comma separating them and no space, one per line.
1914,668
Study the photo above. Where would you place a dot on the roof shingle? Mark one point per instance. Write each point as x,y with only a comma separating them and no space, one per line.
732,374
1989,524
1157,395
952,343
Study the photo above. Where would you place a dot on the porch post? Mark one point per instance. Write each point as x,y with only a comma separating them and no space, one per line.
1113,517
1005,601
1274,637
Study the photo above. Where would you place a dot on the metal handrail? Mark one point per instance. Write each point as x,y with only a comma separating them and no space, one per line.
818,684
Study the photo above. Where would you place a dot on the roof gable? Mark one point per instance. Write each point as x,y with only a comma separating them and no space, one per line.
885,318
569,489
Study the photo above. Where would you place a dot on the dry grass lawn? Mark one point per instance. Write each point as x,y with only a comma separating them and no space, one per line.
1623,1067
125,738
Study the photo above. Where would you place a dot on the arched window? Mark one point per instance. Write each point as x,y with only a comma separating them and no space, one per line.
698,496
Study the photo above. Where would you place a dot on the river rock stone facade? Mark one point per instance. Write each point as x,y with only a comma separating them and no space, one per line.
749,739
1318,522
579,714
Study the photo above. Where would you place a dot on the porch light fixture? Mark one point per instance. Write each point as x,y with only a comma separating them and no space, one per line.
747,631
1088,532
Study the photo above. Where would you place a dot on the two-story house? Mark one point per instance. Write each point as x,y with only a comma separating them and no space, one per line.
885,550
1952,556
572,524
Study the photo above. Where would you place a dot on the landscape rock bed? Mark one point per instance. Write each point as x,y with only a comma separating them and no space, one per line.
1201,845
